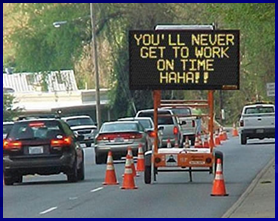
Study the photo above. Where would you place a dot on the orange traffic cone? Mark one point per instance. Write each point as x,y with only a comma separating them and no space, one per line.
221,135
206,143
235,132
110,176
169,143
129,152
225,134
186,143
217,140
128,181
198,142
140,159
176,143
218,188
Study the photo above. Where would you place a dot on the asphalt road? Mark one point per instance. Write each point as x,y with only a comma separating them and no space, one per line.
172,195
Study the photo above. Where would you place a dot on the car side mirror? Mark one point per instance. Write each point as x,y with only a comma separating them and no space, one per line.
160,127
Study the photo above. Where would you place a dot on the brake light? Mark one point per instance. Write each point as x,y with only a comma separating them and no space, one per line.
61,142
8,145
176,130
118,135
193,123
101,137
241,123
152,134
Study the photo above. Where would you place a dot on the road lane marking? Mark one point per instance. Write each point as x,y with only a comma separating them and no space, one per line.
97,189
48,210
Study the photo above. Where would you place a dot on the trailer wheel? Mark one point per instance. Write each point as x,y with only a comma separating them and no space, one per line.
148,174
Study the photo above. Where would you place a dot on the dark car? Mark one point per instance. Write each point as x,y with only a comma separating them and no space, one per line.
44,147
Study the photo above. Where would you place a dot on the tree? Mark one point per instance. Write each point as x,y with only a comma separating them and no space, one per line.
9,113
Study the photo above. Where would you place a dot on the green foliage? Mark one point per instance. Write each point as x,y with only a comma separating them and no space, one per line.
8,112
41,47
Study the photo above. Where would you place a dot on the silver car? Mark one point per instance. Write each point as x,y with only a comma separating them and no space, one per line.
117,136
148,125
82,125
170,124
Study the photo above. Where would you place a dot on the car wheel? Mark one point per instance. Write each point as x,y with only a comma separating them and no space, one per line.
192,141
81,171
148,174
243,139
100,159
18,179
8,179
72,174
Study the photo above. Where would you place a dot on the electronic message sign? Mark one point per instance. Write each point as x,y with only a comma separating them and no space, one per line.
184,60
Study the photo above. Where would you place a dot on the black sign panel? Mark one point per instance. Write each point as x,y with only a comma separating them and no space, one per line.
184,60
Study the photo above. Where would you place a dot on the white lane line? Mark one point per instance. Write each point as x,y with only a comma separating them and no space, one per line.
97,189
48,210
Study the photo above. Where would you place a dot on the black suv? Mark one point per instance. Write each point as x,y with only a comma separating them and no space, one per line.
44,147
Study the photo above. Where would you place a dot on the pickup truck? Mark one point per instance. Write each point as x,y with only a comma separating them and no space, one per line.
257,121
187,122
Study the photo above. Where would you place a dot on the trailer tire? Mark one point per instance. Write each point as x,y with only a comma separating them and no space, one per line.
148,174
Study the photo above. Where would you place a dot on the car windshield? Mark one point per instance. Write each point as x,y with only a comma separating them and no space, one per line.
119,127
145,123
80,121
164,117
35,130
7,128
259,110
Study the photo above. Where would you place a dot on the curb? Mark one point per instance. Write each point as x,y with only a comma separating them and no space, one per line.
249,189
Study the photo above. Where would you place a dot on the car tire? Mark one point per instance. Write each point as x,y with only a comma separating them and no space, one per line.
72,175
8,179
148,174
81,171
100,159
18,179
243,139
192,141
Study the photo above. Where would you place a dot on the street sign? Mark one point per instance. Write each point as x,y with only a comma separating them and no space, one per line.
270,89
184,59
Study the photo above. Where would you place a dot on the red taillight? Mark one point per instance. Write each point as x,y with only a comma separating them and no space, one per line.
101,137
136,136
193,123
8,145
241,123
176,130
152,134
61,142
119,135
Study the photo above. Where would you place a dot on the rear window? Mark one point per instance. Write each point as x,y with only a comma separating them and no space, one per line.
259,110
80,121
36,130
145,123
164,117
7,128
119,127
182,111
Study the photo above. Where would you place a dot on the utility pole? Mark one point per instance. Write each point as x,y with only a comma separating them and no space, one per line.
95,61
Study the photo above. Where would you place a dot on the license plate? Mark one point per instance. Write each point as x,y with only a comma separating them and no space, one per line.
260,131
196,162
119,139
36,150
